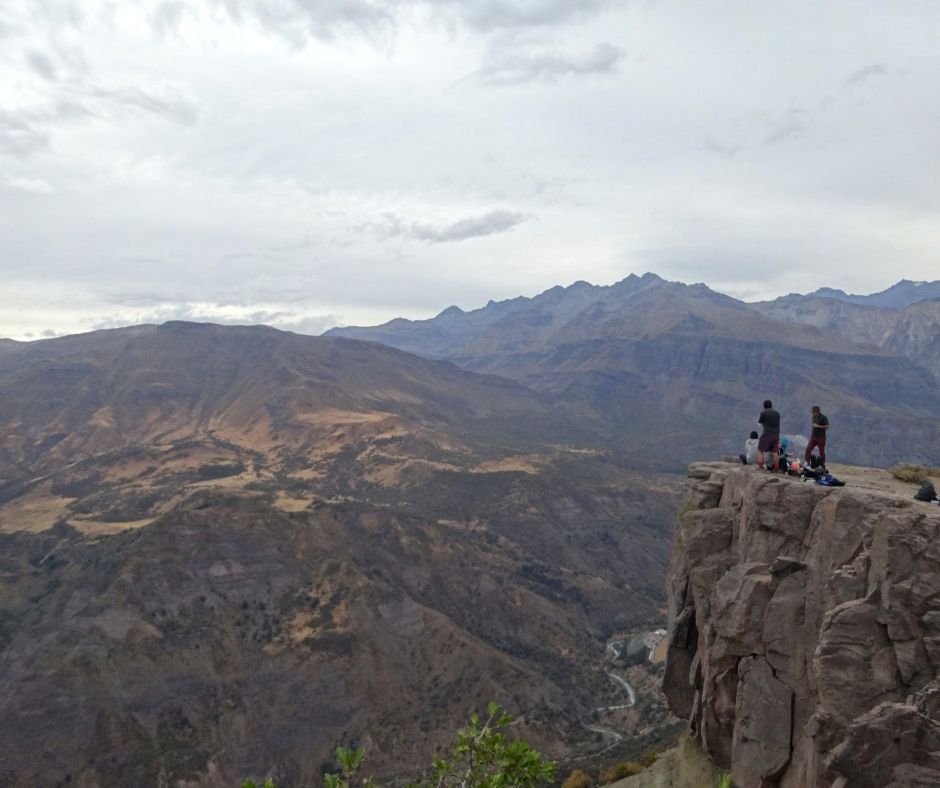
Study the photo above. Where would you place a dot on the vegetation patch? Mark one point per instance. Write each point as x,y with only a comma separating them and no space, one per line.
915,474
619,771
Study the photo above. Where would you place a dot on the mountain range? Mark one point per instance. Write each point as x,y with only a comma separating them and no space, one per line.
674,371
898,296
226,550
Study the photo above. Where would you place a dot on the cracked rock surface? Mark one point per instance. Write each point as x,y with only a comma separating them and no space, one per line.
805,631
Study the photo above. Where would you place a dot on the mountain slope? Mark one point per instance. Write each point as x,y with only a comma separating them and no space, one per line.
225,551
912,331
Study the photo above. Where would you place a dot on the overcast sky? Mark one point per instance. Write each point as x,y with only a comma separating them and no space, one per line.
307,163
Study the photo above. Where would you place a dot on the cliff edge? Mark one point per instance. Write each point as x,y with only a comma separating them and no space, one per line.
805,630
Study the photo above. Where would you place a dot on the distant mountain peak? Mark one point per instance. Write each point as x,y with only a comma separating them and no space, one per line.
451,311
901,294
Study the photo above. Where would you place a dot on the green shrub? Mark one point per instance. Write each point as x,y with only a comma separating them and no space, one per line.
482,758
724,780
577,779
619,771
350,761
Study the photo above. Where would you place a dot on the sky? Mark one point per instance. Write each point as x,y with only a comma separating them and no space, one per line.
309,164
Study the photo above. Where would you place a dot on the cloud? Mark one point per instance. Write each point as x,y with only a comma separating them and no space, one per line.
167,16
490,223
166,99
20,137
726,148
41,65
24,131
298,22
506,66
490,15
864,74
785,126
35,185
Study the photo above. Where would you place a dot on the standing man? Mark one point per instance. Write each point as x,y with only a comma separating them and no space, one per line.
770,439
818,437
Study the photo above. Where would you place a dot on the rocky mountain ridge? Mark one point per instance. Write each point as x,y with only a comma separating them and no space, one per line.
805,641
899,295
663,367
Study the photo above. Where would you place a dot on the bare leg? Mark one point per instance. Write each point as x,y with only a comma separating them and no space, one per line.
760,459
776,458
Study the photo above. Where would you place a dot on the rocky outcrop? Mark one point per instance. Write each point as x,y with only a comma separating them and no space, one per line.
805,631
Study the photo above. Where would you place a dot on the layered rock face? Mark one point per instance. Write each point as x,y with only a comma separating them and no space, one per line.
805,627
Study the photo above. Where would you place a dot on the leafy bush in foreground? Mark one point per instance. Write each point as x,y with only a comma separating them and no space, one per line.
481,758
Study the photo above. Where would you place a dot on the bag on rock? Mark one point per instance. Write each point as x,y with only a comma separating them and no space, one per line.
828,480
926,492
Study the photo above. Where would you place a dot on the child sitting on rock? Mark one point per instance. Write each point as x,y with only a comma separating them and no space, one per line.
750,450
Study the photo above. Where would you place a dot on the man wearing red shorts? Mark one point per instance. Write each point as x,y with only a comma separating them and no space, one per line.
770,439
818,437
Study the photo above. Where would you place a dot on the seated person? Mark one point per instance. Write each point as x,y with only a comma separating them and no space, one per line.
750,450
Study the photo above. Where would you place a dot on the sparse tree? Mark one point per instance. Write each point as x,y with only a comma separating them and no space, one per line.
482,758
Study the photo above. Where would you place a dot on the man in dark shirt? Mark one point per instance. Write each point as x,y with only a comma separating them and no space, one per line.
818,437
770,439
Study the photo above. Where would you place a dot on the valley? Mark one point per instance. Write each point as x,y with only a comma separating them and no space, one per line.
211,576
227,550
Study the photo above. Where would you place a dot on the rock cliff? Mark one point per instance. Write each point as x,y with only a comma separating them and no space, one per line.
805,631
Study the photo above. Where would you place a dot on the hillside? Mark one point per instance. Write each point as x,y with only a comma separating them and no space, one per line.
226,551
666,369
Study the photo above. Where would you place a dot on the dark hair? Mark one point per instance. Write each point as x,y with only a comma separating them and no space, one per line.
768,404
753,433
815,409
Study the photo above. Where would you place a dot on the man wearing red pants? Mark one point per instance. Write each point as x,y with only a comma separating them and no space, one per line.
818,437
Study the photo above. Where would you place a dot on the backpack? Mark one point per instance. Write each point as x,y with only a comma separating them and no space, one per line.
814,461
926,492
828,480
